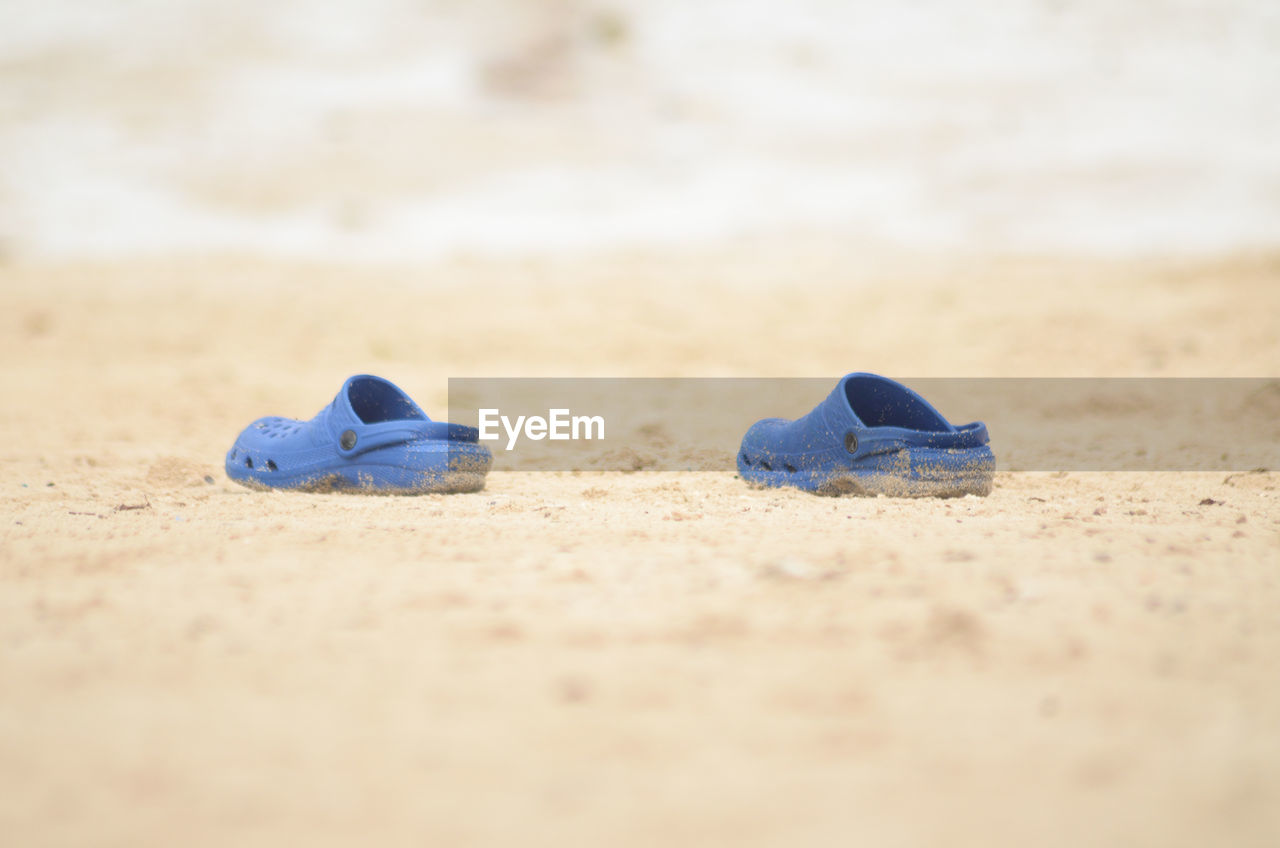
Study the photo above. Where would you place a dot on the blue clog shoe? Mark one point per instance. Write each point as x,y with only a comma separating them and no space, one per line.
372,439
871,436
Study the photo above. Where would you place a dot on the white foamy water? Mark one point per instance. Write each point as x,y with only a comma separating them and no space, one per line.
398,131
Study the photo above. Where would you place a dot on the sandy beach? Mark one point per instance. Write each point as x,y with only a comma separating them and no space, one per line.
216,211
628,659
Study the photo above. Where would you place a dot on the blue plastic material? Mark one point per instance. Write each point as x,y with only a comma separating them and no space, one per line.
871,436
372,439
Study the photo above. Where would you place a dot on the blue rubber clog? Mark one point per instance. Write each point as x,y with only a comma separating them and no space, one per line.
871,436
372,439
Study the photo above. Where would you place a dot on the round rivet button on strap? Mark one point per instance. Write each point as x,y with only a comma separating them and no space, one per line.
348,439
851,442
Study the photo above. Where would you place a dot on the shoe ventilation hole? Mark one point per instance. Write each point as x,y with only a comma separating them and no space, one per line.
746,459
278,429
271,465
766,466
248,462
791,469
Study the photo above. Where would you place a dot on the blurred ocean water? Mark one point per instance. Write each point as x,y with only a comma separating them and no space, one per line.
395,130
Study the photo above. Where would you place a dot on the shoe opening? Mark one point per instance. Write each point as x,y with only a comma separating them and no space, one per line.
375,401
880,402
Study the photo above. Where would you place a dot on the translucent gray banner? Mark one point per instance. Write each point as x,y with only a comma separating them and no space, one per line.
696,424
